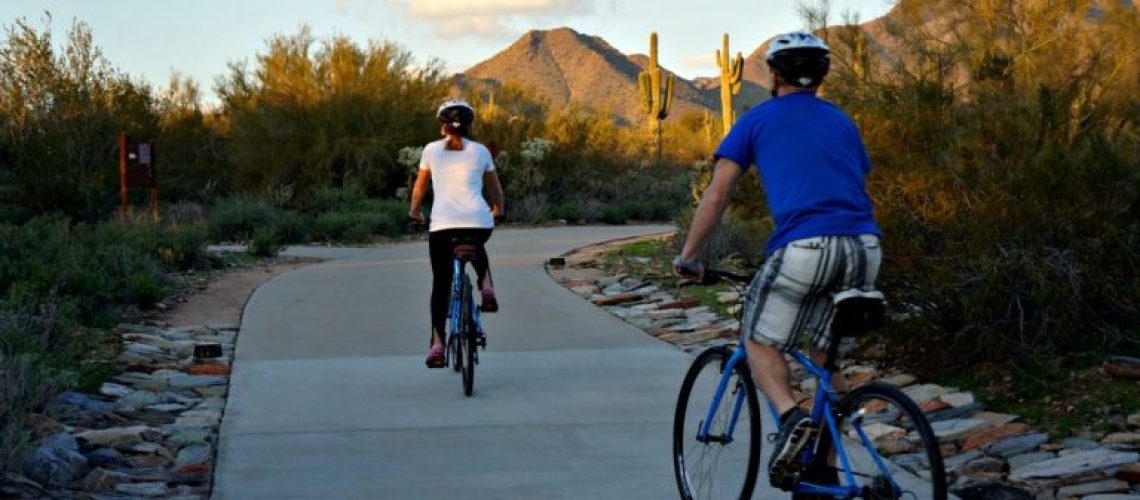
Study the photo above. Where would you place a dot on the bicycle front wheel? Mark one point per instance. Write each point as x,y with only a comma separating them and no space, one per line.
723,463
466,338
893,451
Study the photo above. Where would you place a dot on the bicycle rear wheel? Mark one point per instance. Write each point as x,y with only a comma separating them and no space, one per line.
466,339
903,460
725,464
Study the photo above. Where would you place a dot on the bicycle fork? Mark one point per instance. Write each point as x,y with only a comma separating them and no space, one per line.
727,369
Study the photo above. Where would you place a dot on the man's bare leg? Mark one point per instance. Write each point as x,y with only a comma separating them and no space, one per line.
770,372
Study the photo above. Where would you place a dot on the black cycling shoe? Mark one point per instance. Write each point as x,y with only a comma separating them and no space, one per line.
796,430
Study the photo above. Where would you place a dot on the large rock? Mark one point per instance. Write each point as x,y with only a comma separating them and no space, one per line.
956,429
992,491
880,432
104,480
194,454
953,412
84,402
955,462
900,380
1017,445
116,435
1018,461
1074,464
1134,420
114,390
152,489
56,461
991,436
183,381
107,457
1080,490
1128,438
1122,367
925,392
614,300
984,469
957,398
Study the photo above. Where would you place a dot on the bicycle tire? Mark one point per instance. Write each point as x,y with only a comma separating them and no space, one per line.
686,424
466,337
454,352
932,487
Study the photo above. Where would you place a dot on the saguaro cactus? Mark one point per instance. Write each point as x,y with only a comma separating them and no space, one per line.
656,92
731,73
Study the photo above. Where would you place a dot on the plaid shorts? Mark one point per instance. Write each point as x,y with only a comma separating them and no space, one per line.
793,291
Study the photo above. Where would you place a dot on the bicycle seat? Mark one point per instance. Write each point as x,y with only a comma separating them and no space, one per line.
466,251
857,312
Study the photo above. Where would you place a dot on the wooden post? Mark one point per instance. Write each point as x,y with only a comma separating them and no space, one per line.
154,203
123,175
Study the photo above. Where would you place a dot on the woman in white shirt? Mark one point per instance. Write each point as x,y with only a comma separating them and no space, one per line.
458,169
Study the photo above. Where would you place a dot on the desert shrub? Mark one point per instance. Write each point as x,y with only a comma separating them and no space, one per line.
26,384
266,242
740,237
332,199
1007,182
569,211
237,217
183,213
294,227
613,214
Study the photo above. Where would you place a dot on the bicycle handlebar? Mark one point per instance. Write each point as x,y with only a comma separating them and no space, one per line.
714,275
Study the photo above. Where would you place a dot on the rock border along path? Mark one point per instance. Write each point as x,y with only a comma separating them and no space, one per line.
988,455
152,429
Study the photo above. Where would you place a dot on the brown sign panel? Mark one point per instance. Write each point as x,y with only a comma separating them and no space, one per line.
140,165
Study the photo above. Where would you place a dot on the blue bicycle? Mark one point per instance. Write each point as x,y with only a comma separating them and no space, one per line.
465,332
880,439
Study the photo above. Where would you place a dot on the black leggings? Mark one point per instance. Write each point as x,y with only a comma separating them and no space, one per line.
440,245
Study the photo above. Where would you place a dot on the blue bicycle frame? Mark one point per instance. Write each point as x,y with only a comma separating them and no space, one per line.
825,400
456,293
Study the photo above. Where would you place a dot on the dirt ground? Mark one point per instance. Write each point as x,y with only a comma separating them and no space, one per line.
223,300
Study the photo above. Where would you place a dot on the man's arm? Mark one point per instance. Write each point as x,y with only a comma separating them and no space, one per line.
495,191
418,192
712,206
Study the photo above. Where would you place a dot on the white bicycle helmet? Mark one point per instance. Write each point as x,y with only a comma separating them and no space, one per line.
801,58
456,112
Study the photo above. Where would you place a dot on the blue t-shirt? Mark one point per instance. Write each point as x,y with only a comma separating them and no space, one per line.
813,166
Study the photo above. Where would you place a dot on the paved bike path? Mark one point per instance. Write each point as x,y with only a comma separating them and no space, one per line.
330,399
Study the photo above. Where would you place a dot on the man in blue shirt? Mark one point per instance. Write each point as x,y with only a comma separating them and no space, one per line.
813,166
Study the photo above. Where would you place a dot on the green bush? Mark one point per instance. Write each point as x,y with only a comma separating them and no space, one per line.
613,214
237,217
293,227
570,211
26,384
265,242
740,237
332,199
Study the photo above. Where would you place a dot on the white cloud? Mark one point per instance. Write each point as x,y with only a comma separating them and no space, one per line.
488,18
481,26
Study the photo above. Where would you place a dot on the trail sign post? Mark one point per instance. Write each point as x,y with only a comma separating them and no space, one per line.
136,170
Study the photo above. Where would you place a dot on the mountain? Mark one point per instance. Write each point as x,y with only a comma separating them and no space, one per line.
565,66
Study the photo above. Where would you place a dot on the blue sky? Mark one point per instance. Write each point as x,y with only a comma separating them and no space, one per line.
148,38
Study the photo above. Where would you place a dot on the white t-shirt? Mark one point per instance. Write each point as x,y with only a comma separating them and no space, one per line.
457,184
